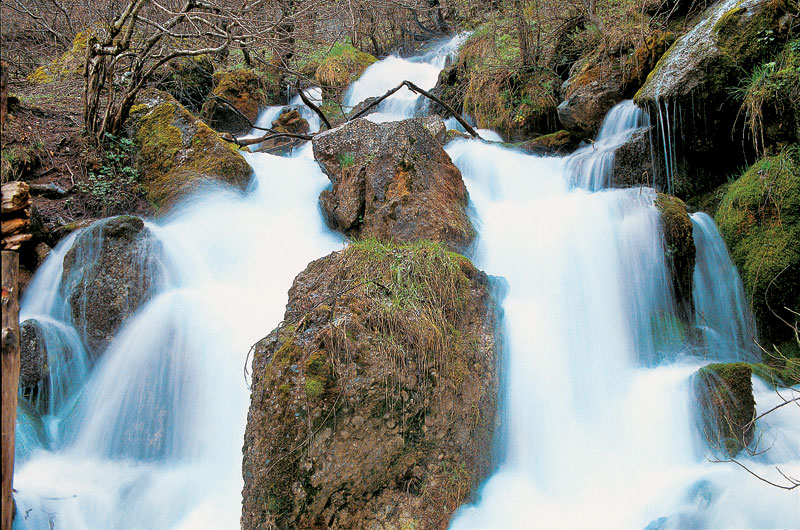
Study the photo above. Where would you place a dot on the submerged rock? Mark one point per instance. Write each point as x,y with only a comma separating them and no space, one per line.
724,392
110,271
393,181
374,403
177,153
680,251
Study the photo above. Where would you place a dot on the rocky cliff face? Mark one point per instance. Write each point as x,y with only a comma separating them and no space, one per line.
393,181
374,402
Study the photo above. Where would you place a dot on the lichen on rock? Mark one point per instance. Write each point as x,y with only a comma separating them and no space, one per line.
374,402
247,91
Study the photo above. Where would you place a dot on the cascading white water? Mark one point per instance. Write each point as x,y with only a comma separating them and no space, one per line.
153,438
380,77
597,411
721,308
591,167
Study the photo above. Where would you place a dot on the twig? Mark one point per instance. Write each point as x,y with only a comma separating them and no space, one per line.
313,107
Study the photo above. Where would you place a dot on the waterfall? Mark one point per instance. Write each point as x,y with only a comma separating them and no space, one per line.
597,410
591,167
152,434
721,308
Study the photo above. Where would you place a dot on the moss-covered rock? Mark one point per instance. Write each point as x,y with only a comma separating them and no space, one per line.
393,181
593,88
177,153
644,58
373,404
725,395
759,219
248,91
189,80
691,89
339,66
633,161
69,64
680,251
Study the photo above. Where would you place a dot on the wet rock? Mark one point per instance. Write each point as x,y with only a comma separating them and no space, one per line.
725,395
590,92
373,392
110,271
342,65
34,372
289,121
177,153
559,143
680,251
393,181
633,162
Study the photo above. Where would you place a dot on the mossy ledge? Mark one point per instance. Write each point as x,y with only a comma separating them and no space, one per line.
379,384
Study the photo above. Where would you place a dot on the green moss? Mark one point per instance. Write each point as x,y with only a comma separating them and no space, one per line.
725,391
314,388
748,38
759,219
340,65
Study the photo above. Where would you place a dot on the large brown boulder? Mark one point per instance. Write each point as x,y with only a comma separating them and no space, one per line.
176,153
289,121
592,89
727,408
393,181
374,403
110,271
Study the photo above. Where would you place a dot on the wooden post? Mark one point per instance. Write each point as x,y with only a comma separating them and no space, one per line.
10,367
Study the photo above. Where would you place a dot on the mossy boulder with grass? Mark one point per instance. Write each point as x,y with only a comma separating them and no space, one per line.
248,91
339,66
374,403
759,219
680,251
724,393
109,272
176,153
393,181
68,65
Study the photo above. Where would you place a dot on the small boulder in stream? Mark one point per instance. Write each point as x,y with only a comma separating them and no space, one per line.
374,402
393,181
680,250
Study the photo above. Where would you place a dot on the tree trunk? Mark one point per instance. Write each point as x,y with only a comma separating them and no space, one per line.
10,367
527,50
